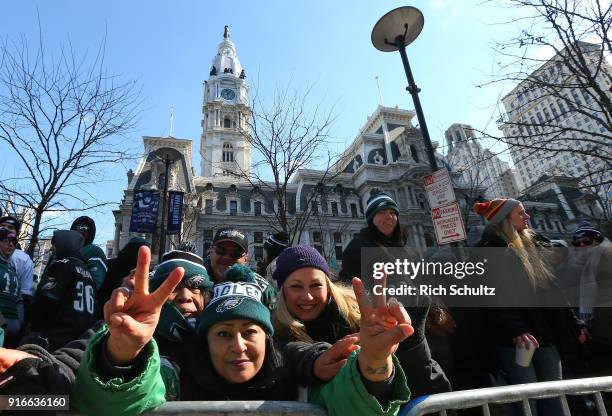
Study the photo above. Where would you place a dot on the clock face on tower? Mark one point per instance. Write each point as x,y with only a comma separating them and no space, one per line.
228,94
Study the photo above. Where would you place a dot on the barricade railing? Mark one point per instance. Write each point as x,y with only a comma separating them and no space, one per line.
439,404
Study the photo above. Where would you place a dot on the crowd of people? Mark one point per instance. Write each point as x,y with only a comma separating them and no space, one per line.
121,338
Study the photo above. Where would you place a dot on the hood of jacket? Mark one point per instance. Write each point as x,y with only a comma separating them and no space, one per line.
67,243
92,227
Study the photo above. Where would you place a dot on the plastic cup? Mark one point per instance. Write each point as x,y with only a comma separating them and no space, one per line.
524,355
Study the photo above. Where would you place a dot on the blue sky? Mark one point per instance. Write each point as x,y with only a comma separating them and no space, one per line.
169,47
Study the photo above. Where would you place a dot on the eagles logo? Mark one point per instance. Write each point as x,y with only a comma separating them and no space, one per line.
195,281
229,304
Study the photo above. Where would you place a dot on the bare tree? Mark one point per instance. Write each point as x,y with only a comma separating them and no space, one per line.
288,138
62,119
564,104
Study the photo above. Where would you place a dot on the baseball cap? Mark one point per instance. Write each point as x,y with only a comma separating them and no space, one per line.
232,235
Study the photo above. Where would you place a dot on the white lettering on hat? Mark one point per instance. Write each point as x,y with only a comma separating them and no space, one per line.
231,234
227,289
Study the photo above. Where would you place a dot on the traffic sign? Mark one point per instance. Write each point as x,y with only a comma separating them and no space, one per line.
448,223
439,188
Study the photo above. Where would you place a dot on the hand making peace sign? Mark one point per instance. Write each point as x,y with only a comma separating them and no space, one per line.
133,315
383,326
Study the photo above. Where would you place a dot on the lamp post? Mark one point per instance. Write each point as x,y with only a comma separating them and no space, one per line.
168,156
393,32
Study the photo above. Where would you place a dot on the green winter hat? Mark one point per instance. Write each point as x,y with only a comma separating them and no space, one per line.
237,297
195,274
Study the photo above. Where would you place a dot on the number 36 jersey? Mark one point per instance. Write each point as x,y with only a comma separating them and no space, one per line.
64,305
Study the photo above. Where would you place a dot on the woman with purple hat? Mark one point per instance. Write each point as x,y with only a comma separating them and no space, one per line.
233,357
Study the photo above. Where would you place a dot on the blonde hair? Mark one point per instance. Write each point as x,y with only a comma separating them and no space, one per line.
522,243
287,325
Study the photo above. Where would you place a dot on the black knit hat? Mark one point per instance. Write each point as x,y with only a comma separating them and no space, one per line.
276,243
585,229
379,202
7,219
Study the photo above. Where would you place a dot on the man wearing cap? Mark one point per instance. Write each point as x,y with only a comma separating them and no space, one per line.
91,254
23,267
230,247
9,285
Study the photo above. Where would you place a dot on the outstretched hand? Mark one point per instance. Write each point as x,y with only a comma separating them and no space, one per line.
328,364
133,315
383,326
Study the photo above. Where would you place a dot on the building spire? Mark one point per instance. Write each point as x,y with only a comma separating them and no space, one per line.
226,34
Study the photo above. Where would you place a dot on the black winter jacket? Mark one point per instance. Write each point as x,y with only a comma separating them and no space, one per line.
551,326
423,374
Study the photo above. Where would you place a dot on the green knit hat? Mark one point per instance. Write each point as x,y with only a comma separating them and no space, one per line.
195,274
237,297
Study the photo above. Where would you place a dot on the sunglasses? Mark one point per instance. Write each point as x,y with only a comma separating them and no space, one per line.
222,251
582,242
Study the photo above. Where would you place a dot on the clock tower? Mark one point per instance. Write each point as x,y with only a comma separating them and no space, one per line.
225,115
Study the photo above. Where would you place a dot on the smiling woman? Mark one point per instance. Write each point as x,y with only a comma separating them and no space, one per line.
233,356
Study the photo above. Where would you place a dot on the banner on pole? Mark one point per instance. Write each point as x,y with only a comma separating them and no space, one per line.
144,212
175,212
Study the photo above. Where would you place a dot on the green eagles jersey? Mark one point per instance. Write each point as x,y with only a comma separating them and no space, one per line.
9,290
95,261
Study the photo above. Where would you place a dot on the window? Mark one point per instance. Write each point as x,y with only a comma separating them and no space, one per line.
233,207
314,208
354,210
208,208
227,123
319,249
208,237
334,207
337,238
316,236
338,252
228,152
258,237
257,208
258,253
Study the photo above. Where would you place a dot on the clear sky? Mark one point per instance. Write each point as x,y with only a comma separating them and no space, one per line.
169,47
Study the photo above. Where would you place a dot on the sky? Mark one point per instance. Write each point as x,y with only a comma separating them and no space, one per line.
168,48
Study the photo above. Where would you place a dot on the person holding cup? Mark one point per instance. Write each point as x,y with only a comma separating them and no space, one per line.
528,340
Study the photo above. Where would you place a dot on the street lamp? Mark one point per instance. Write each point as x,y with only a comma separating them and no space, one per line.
168,156
394,31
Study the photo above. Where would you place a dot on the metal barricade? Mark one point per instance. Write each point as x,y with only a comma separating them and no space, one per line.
234,408
483,398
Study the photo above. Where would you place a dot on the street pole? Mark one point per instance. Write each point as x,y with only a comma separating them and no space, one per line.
414,91
162,230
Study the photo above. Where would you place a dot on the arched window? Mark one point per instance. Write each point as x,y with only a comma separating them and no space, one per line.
227,123
228,152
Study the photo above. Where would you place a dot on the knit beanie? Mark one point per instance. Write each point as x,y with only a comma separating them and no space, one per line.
585,229
181,254
496,210
7,219
379,202
276,243
237,297
298,257
195,273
